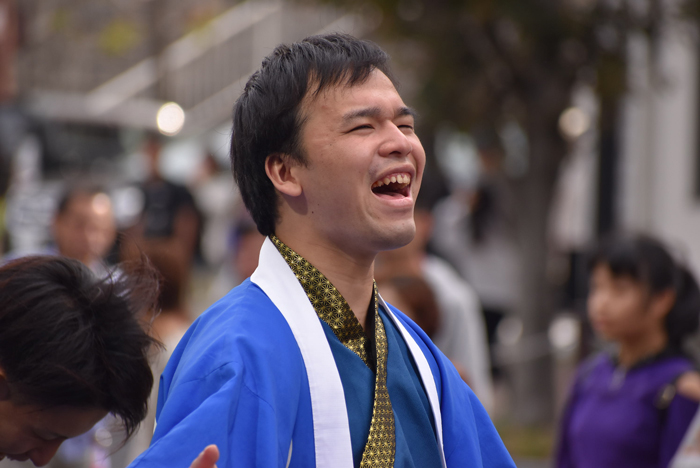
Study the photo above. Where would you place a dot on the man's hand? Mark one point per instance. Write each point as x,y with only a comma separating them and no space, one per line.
207,459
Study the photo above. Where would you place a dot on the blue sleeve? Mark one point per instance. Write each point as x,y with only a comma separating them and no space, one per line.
220,409
468,431
469,437
679,415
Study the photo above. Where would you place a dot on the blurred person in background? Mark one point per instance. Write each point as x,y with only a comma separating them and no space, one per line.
474,230
170,216
168,327
632,406
72,350
218,200
459,332
241,260
83,228
413,296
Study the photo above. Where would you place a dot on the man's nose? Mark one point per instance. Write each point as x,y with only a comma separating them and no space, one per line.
396,142
43,454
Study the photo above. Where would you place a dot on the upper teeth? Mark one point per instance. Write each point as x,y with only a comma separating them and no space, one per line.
394,178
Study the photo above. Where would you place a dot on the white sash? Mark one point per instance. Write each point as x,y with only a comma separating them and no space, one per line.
330,416
426,376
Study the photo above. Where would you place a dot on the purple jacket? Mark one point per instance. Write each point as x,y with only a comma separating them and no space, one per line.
618,419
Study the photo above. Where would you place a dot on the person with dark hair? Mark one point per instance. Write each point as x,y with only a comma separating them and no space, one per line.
475,232
304,364
170,214
412,295
631,407
168,327
83,228
72,349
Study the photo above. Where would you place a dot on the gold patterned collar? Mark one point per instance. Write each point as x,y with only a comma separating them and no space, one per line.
331,306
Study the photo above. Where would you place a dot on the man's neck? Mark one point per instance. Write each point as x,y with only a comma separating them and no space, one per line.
352,276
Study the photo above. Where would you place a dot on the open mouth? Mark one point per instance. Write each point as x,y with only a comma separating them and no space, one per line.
393,185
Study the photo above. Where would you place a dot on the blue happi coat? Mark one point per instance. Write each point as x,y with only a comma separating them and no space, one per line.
255,375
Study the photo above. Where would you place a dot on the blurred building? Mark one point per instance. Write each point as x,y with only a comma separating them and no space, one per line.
659,170
117,63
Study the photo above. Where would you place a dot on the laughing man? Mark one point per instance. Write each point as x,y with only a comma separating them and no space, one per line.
304,364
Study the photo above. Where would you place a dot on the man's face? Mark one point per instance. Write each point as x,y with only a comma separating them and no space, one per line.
364,166
30,433
85,230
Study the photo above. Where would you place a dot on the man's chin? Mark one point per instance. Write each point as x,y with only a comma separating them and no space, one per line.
398,238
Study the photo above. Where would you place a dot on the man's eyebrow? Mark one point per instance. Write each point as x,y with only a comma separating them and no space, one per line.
375,112
359,113
403,111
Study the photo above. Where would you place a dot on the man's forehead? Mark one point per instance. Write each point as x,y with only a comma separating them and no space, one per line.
347,101
343,83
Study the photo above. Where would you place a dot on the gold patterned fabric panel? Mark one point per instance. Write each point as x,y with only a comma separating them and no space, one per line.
328,303
333,309
381,443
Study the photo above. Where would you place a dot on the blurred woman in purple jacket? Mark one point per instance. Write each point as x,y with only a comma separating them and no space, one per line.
631,407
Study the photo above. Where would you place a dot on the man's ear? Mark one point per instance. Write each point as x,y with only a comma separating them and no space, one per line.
280,169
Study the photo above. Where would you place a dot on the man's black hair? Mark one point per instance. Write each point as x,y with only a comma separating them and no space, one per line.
70,339
267,117
646,260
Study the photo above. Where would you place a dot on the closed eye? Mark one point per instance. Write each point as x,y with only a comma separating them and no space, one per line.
361,127
48,437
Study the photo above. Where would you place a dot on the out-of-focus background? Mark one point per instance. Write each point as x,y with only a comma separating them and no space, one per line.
546,125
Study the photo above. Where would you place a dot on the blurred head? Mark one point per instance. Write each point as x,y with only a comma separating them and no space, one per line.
288,111
174,276
490,149
84,227
71,350
636,286
413,296
151,149
247,242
